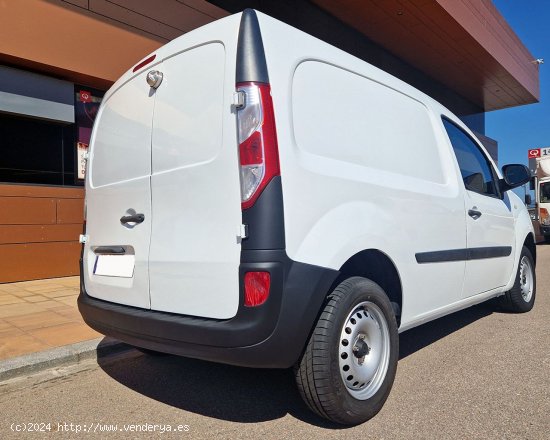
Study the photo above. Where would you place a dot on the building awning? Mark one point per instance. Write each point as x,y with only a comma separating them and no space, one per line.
465,44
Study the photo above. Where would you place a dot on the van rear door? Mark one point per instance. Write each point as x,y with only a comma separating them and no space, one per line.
118,196
195,252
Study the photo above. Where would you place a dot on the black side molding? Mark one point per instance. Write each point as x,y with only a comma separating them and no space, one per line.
251,65
463,254
442,256
489,252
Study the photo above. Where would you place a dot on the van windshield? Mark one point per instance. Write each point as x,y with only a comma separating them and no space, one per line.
545,192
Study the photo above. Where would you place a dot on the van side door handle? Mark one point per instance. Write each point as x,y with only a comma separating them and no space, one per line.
135,218
474,213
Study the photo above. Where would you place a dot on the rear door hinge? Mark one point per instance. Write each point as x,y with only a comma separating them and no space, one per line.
239,99
243,233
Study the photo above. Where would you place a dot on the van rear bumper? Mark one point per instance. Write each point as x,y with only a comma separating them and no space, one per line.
272,335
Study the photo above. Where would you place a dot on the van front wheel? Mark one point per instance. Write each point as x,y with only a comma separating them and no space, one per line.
521,297
347,370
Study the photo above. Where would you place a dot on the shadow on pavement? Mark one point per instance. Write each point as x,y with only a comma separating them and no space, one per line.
219,391
251,395
419,337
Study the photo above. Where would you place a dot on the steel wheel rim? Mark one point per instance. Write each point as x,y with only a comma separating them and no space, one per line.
364,350
526,279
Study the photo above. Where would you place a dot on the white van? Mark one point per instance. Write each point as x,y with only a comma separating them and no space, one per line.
260,198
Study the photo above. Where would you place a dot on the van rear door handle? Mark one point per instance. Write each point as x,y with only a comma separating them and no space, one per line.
474,213
135,218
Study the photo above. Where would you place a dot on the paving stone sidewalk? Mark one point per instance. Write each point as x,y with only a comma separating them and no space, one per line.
40,315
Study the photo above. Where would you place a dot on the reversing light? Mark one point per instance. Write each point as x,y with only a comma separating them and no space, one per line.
256,288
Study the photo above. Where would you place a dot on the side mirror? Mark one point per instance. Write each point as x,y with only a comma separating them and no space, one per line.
514,175
528,199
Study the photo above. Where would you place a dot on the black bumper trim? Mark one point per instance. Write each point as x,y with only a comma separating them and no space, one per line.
272,335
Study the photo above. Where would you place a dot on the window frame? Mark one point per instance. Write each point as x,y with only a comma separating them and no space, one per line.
499,194
541,185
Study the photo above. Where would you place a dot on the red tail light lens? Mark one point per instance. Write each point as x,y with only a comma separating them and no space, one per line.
258,150
256,288
251,150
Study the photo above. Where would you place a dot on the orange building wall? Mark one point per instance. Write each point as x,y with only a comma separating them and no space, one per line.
70,42
39,230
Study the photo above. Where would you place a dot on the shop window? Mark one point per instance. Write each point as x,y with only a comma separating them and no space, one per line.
35,151
31,150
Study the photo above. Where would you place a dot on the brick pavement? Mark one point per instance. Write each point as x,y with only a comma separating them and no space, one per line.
40,315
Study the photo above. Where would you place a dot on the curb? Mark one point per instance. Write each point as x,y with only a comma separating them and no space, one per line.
56,357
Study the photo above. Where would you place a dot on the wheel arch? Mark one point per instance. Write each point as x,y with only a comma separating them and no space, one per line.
530,244
378,267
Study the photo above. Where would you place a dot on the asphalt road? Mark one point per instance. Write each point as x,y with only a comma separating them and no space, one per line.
477,374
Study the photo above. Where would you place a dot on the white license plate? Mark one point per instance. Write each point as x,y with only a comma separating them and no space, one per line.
115,265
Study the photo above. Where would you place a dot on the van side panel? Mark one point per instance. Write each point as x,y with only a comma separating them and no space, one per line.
372,125
363,166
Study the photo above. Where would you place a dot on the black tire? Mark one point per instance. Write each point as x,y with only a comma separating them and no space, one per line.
320,375
520,299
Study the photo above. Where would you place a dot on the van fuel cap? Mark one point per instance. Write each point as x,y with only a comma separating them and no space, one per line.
154,78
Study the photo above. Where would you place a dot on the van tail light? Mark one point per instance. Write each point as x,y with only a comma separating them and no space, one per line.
258,150
256,288
544,217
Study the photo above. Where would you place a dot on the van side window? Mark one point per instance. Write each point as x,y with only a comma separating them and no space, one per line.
474,166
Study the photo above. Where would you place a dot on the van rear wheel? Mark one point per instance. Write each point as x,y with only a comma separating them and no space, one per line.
347,370
521,297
